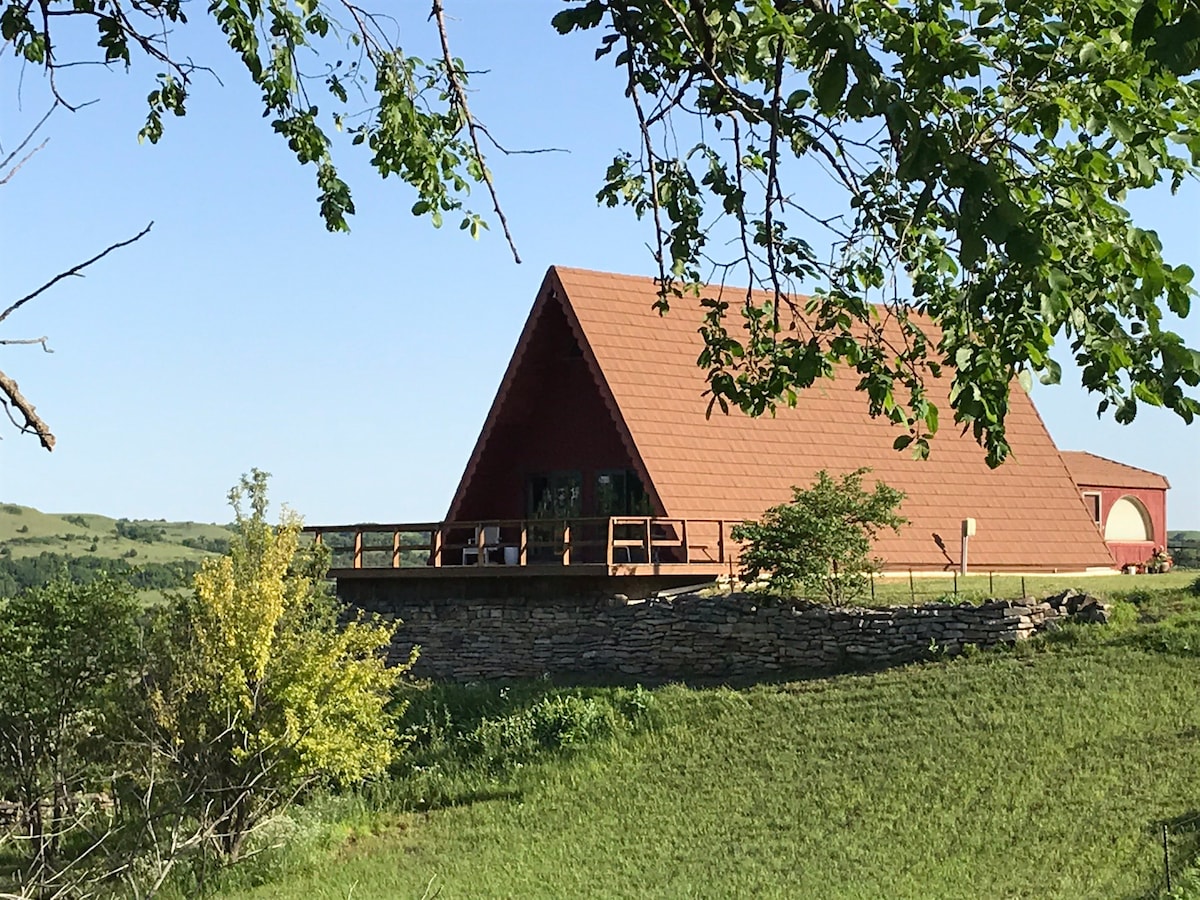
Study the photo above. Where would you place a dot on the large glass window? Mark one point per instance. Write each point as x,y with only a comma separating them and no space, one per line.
619,492
555,495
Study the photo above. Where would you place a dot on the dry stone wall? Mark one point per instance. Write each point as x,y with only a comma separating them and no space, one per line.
691,636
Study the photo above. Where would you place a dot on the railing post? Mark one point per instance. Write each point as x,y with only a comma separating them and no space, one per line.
395,549
608,544
435,546
480,547
317,539
683,536
566,554
647,542
358,549
720,541
522,551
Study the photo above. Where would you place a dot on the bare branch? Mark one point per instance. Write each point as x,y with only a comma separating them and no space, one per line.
34,424
459,98
42,340
17,168
29,137
74,270
507,152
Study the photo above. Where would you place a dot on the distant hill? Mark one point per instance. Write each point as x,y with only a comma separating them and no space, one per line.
24,531
1186,547
155,555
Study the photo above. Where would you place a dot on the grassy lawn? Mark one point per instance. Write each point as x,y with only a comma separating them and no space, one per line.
896,589
1041,772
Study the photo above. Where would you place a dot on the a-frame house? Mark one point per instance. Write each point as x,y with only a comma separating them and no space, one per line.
601,413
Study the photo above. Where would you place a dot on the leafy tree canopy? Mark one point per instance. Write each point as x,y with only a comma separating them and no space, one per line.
984,150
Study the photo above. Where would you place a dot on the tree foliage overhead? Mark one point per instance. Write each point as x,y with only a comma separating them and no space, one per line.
981,154
986,150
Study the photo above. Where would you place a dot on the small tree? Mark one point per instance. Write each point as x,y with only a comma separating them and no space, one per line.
258,690
821,540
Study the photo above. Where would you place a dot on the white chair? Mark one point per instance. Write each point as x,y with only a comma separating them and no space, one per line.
490,535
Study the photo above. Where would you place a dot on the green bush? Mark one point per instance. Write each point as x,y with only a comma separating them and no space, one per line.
139,531
821,540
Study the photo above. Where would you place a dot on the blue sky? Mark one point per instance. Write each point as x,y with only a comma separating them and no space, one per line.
356,368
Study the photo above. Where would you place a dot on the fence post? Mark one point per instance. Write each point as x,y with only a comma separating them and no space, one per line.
395,549
912,588
991,586
1024,594
1166,857
872,587
358,544
956,582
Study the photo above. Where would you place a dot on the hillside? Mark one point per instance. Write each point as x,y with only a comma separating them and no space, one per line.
1046,771
153,555
25,531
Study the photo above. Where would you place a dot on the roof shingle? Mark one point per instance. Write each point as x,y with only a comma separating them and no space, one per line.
1090,470
1029,512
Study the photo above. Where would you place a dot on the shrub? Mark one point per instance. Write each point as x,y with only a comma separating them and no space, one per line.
256,690
821,540
139,531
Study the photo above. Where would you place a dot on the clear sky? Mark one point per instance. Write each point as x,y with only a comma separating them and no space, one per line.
356,368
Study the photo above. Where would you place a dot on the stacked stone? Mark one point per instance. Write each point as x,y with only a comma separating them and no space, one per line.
741,635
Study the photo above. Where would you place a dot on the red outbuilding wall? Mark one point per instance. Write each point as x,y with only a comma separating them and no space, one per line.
1155,502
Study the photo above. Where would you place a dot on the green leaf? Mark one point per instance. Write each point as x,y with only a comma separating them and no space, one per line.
1058,280
1123,89
831,84
1051,374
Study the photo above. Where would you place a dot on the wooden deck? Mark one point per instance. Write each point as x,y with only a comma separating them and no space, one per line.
616,545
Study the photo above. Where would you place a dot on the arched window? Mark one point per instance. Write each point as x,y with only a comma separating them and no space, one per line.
1128,521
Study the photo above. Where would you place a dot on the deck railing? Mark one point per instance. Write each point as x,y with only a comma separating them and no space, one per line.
613,541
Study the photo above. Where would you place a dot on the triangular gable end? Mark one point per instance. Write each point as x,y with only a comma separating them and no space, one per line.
553,411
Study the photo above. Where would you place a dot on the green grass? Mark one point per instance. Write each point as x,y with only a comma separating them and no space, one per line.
53,533
893,589
1040,772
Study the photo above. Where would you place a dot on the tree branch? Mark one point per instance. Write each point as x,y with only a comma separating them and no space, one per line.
74,270
34,424
459,99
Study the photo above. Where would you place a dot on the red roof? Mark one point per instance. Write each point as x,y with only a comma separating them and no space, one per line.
1090,470
1029,512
